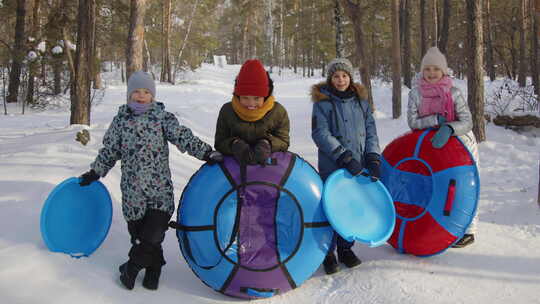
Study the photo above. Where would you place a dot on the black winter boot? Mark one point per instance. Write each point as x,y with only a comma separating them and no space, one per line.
347,257
330,264
128,274
466,240
151,277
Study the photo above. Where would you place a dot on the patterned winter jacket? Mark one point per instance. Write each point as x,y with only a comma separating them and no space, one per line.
462,126
141,143
339,124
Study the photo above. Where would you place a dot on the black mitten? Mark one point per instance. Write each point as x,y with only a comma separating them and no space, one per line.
373,165
212,157
346,161
242,152
262,151
88,177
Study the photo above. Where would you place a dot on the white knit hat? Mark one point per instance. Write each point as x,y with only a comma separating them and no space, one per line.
434,57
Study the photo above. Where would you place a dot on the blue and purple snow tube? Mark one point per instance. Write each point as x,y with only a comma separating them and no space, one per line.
257,232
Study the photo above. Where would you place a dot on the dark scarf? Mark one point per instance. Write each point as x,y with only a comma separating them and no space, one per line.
348,93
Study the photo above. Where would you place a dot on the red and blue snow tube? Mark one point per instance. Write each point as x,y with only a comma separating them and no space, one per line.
435,192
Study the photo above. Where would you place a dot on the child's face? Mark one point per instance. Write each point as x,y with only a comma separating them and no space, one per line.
432,73
251,102
141,96
341,80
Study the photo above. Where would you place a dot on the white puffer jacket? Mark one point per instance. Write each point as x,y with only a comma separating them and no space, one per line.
462,126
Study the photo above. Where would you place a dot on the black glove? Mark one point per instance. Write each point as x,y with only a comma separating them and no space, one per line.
242,152
373,165
88,177
212,157
346,161
262,151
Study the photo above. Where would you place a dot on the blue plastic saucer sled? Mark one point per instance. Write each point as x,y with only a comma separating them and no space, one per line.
358,208
75,220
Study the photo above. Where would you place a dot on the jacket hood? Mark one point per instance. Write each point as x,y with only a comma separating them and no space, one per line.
317,95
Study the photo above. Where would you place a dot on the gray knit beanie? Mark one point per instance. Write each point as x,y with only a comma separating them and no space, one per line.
339,64
140,80
434,57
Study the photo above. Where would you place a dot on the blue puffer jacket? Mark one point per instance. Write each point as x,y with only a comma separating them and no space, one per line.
338,125
141,143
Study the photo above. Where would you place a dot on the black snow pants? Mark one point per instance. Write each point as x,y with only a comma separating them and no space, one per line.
147,234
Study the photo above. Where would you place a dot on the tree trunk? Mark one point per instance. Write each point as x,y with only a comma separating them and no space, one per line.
522,68
135,41
406,33
98,84
165,43
475,79
534,47
423,29
269,33
338,17
396,62
18,53
33,65
80,89
179,63
57,76
95,59
281,39
447,11
490,62
356,14
434,35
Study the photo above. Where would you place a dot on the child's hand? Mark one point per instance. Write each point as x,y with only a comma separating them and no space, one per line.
88,177
346,161
441,120
212,157
373,165
441,137
262,151
242,152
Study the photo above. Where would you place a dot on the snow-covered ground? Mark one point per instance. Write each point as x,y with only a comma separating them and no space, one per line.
38,151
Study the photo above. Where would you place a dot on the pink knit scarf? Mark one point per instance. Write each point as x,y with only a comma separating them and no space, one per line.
437,98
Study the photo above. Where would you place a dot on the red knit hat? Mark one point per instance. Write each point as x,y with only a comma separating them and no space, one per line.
252,80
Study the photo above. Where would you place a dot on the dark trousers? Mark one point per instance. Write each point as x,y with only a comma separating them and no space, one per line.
147,234
341,243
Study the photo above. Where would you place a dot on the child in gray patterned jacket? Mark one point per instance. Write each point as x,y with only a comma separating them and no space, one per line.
139,136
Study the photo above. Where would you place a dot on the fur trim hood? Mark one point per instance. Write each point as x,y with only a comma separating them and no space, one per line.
317,95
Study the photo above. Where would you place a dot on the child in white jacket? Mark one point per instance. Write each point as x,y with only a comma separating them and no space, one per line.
435,102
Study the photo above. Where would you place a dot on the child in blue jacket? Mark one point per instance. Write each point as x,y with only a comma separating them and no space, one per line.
344,130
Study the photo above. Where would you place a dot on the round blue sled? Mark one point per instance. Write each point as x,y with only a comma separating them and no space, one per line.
75,220
358,208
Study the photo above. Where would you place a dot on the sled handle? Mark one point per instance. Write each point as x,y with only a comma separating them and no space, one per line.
451,195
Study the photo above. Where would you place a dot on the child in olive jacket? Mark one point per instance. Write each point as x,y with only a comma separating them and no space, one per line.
138,136
253,124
